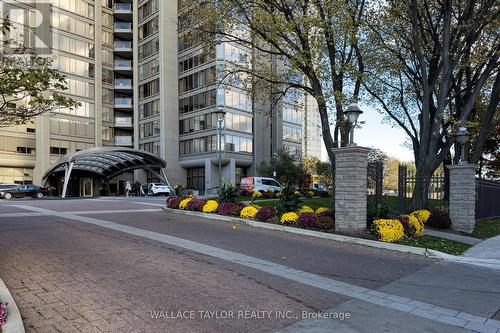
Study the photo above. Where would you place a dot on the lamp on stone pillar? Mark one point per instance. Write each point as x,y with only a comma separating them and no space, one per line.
220,113
462,136
352,113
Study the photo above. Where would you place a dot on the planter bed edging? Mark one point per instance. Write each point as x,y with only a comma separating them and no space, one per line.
490,263
313,233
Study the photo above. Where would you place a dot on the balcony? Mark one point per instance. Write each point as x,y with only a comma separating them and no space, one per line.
122,10
123,140
123,122
123,29
123,66
123,47
124,103
123,84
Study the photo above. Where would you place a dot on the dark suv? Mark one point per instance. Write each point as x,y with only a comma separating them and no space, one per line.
21,191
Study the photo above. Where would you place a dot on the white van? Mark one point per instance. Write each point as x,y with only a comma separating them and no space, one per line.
261,184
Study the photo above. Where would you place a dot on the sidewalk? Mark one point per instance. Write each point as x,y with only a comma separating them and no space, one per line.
452,236
487,249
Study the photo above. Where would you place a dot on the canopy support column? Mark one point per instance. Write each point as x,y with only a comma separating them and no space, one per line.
166,179
67,173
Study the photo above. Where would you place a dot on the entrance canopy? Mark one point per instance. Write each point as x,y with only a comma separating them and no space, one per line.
107,162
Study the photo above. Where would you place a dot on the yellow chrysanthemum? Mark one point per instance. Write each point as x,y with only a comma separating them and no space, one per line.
422,215
306,209
322,210
248,212
184,203
297,193
257,194
211,206
415,223
389,230
311,193
289,218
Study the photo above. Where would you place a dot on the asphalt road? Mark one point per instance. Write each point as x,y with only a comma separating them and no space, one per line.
76,272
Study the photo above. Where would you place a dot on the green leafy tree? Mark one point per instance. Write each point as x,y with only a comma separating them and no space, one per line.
324,170
426,64
28,84
286,167
307,46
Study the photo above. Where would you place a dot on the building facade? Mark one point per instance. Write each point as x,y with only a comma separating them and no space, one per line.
141,85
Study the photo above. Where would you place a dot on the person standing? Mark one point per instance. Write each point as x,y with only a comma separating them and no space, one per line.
128,189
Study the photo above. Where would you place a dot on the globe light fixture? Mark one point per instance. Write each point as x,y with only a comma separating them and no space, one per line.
352,114
462,137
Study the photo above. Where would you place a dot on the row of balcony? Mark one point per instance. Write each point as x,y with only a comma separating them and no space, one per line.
124,30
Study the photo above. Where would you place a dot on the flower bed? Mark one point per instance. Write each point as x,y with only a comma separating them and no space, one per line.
3,313
304,217
391,230
401,227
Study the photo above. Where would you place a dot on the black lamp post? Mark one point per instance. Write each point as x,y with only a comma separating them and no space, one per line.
462,136
220,113
352,113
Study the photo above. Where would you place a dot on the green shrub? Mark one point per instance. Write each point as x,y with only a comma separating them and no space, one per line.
228,193
380,211
439,218
288,200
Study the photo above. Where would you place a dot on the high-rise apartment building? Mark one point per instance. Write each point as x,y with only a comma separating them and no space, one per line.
141,85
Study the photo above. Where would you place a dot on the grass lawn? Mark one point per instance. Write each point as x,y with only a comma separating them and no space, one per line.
437,243
311,202
486,228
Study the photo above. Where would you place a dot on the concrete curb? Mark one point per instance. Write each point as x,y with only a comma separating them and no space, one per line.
14,322
490,263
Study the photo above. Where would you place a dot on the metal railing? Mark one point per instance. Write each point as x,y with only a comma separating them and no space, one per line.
123,26
123,6
123,83
487,198
121,44
434,193
123,101
123,63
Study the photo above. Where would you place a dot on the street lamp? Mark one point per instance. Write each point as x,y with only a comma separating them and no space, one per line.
462,136
352,113
220,113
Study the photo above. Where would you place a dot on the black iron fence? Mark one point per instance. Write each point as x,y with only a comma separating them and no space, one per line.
435,191
375,183
487,198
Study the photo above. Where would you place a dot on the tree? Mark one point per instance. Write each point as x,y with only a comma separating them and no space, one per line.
427,61
285,165
310,46
489,164
391,174
28,83
324,171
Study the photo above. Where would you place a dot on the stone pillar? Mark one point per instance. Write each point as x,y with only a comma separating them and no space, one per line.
351,172
463,196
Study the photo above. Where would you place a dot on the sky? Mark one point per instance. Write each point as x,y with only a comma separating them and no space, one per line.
379,134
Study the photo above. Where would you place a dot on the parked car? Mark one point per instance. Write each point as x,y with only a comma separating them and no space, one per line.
158,188
260,184
21,191
2,186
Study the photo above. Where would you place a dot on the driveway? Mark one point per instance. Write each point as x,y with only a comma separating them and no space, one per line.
123,264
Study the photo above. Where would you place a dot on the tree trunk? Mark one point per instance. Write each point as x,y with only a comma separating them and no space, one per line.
421,190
